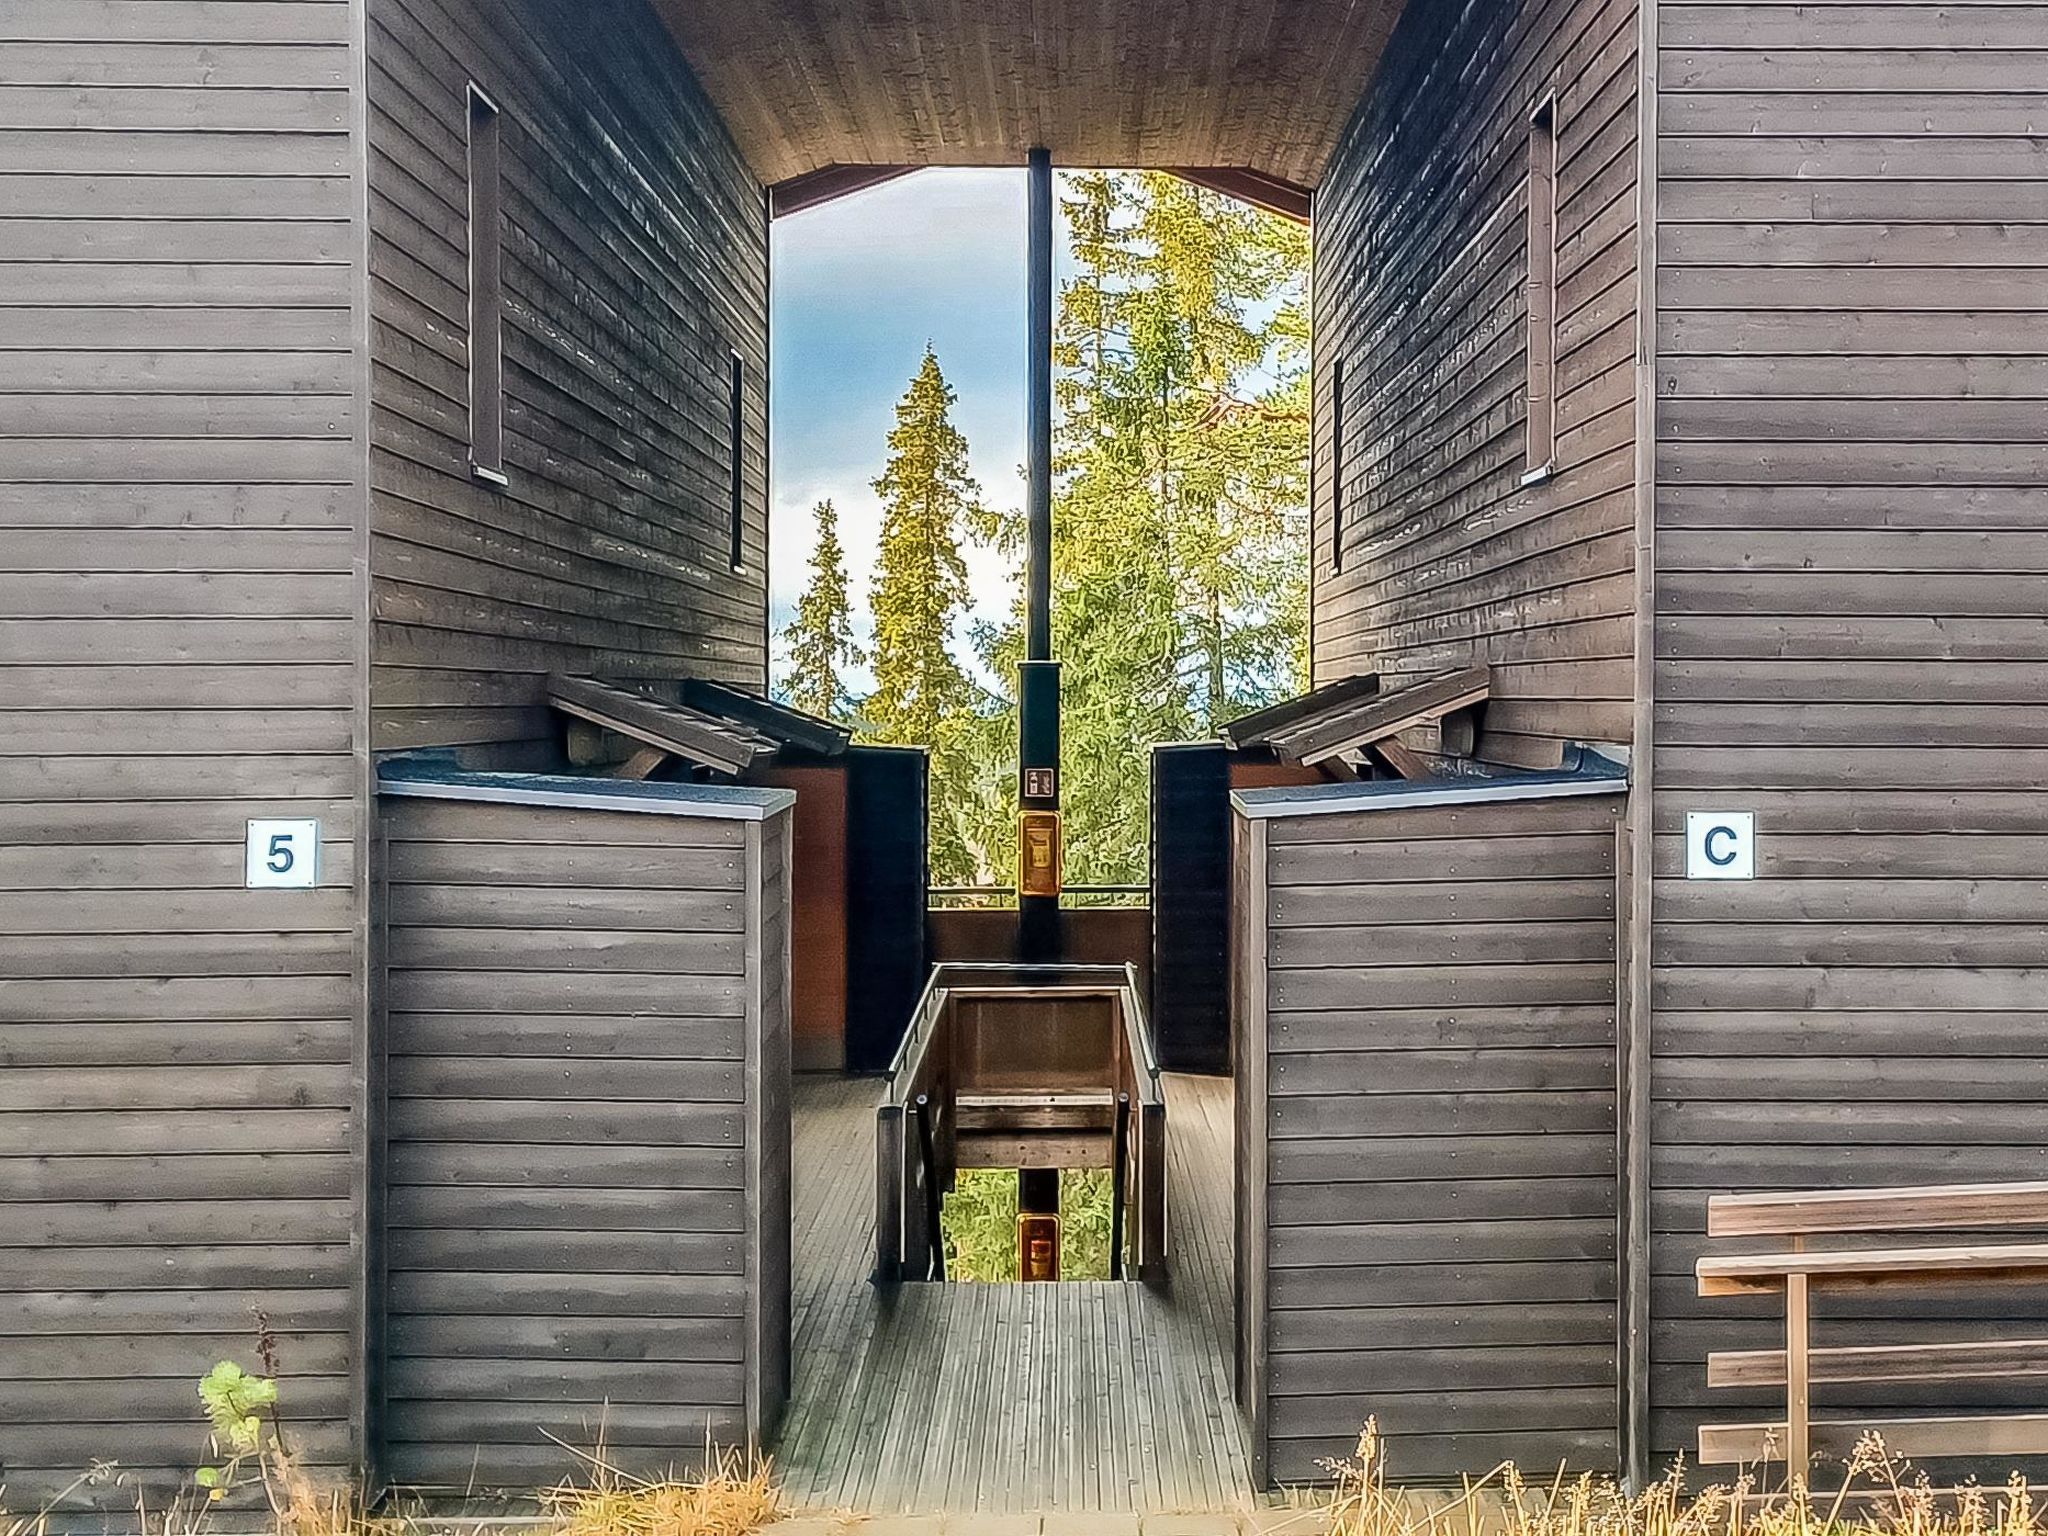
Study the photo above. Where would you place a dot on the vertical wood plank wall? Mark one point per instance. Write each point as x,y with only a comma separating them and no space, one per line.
1420,266
1852,336
579,1001
1438,1075
635,248
180,498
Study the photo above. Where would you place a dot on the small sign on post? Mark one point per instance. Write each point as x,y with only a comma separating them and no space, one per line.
1720,845
283,855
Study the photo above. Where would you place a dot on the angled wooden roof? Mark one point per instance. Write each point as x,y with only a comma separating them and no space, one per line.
1332,721
1264,86
724,745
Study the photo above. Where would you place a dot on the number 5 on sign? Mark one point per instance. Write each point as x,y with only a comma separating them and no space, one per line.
283,855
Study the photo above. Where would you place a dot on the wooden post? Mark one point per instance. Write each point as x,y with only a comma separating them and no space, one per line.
1798,1389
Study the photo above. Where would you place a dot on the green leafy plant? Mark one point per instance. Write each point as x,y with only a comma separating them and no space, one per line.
236,1404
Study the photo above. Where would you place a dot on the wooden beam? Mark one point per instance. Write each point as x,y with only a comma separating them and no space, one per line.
829,185
1250,730
1388,714
1974,1361
1928,1207
671,727
641,763
1255,187
1400,761
1748,1273
1978,1437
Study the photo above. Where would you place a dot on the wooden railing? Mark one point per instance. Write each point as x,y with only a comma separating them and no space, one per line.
1012,1066
1799,1271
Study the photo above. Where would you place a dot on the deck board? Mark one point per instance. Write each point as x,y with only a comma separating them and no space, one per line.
1009,1398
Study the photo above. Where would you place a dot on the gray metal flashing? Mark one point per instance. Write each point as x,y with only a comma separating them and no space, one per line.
1597,774
564,792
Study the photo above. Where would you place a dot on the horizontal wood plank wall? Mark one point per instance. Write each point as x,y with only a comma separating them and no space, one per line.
635,266
567,1165
1420,267
180,503
1852,340
1440,1098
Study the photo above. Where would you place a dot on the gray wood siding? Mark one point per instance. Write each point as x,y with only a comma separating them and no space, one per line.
635,265
572,1039
1420,272
180,508
1852,335
1438,1078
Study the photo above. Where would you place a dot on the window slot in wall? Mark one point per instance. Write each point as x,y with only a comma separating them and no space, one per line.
1337,466
486,294
1541,430
737,441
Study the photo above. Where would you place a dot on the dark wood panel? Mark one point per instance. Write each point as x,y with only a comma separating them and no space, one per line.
1851,351
1447,557
1438,1115
634,245
574,1113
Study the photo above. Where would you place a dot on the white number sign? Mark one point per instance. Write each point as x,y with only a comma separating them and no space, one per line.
283,855
1720,845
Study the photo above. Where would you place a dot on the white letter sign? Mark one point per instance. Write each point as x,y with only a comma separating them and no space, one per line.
1720,845
283,855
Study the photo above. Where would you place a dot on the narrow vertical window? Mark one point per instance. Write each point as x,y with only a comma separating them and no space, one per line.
486,295
1337,466
737,428
1541,432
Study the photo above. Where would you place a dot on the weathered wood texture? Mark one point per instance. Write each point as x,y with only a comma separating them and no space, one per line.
1852,365
1088,1395
578,1085
1420,272
1438,1064
635,267
180,503
809,84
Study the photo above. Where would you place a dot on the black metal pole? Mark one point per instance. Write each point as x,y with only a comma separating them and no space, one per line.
1038,406
1038,681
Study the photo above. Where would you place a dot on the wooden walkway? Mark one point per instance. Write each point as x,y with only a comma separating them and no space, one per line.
1009,1398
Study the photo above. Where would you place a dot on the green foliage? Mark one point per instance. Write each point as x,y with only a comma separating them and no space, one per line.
235,1404
979,1221
820,637
1180,515
923,696
1180,525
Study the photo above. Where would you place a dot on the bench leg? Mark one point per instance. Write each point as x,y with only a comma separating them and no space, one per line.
1798,1391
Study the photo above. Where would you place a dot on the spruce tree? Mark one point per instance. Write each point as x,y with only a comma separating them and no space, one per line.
920,588
820,637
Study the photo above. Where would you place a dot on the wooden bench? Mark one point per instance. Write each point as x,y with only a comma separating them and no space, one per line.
1798,1271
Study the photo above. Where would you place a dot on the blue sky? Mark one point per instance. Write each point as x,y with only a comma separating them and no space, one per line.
859,286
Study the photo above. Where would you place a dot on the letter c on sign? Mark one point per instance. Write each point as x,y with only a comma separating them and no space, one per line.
1727,837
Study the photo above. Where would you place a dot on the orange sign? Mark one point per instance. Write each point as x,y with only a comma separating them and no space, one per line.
1038,853
1038,1246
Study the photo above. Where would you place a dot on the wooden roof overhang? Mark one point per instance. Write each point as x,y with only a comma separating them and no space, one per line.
707,723
1255,93
1353,715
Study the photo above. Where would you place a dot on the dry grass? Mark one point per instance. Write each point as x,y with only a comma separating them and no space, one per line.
733,1498
1880,1496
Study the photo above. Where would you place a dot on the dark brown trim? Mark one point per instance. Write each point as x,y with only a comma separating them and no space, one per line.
1255,187
829,185
486,339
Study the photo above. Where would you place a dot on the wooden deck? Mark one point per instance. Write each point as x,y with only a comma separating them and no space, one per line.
1009,1398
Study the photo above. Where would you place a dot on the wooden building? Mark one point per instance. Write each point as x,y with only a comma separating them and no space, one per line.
367,362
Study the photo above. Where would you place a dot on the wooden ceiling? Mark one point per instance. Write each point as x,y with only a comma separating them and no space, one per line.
1262,85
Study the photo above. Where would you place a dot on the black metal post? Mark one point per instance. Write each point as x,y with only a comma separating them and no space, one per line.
1038,682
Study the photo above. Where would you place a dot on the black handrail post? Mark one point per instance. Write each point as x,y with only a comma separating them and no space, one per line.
935,1261
1119,1141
